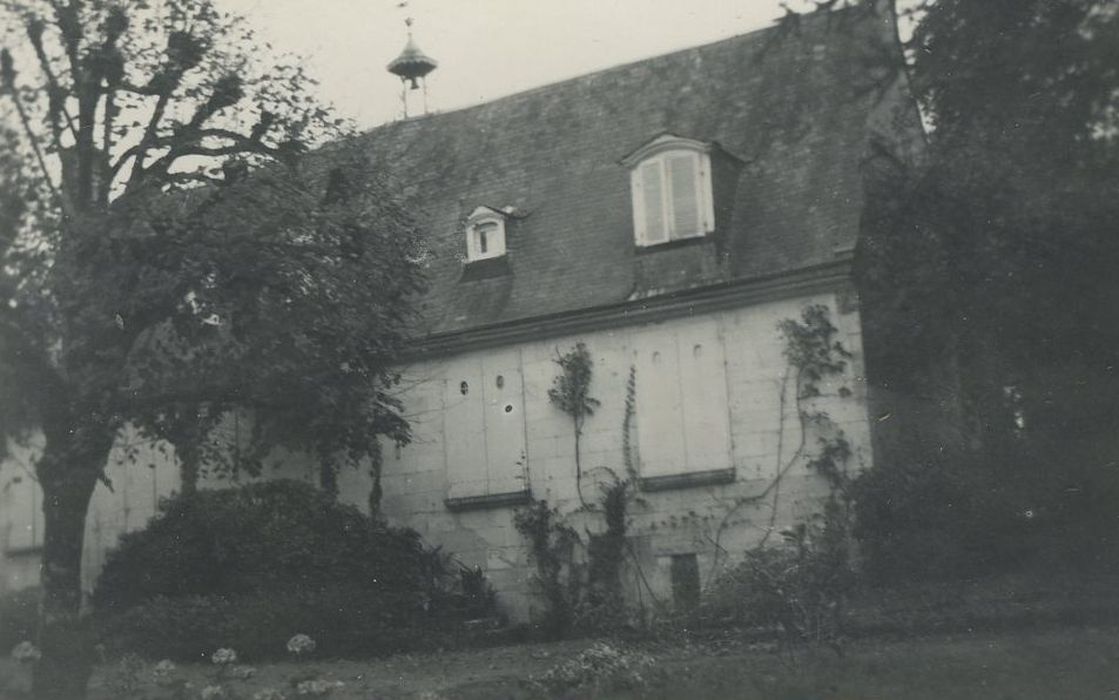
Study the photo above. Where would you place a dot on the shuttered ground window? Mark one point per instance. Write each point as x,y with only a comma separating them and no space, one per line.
672,197
683,424
484,426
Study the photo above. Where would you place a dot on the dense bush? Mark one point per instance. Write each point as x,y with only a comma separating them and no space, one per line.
961,516
559,577
796,591
343,620
266,535
249,567
18,617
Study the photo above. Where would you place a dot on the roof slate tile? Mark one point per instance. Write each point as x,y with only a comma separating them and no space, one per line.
794,108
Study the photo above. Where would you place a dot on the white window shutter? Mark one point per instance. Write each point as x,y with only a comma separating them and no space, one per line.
637,196
706,193
652,196
659,416
685,206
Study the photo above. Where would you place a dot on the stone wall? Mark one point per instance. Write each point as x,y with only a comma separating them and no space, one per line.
714,424
708,400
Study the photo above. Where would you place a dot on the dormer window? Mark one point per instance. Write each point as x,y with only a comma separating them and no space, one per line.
670,181
485,234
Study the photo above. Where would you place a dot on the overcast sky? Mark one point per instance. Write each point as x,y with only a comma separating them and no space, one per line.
485,48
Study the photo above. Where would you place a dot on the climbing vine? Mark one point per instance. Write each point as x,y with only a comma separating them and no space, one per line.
588,595
580,576
799,589
570,393
552,545
814,354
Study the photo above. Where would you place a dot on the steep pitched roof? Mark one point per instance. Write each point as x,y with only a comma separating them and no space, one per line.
793,106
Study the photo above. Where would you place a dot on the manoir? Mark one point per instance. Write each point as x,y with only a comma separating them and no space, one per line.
665,215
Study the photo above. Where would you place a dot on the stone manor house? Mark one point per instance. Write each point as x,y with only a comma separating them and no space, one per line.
666,214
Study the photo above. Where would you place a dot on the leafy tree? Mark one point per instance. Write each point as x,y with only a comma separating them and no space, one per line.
992,258
149,278
1007,219
987,256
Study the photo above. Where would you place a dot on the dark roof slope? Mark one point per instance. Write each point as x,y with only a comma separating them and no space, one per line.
793,107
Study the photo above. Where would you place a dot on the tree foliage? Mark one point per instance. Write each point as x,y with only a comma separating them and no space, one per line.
173,254
988,264
249,567
1006,220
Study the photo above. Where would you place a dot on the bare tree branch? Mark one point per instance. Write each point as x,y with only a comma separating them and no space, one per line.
8,86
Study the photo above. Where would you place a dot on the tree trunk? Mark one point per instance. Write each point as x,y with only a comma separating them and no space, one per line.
375,492
328,477
67,477
189,463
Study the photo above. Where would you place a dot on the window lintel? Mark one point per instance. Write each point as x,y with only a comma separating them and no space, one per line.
671,142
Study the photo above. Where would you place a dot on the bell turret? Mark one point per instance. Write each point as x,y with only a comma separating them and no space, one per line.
412,67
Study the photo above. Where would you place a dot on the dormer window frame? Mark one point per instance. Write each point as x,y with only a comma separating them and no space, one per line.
485,234
666,162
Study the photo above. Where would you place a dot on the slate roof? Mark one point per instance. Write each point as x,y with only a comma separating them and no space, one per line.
792,106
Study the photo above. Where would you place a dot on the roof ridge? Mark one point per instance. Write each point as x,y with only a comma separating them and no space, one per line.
814,16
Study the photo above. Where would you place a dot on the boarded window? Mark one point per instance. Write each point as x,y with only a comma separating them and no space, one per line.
485,432
683,421
464,430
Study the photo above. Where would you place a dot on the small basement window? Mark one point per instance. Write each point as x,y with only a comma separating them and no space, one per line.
685,581
485,234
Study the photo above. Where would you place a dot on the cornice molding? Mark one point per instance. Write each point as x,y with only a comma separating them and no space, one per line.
831,276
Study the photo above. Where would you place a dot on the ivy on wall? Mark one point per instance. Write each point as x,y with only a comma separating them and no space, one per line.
580,577
570,393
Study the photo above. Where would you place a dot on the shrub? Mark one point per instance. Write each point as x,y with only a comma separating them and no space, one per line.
342,621
948,516
250,567
558,577
264,535
19,611
796,591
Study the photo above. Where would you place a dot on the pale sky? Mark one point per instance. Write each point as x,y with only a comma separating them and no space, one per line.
485,48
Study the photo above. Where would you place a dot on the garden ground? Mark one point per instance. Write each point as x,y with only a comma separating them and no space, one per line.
1071,662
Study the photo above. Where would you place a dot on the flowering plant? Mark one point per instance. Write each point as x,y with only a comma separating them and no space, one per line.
164,673
224,656
242,673
602,666
301,644
213,692
318,687
26,652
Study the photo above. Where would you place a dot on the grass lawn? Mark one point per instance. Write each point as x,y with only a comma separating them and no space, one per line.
1068,663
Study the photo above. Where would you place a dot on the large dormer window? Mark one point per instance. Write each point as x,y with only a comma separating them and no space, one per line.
670,180
485,234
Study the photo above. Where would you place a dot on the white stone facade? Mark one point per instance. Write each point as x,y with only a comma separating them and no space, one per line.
708,397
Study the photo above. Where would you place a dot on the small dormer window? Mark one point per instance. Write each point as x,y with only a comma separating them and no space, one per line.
485,234
670,180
